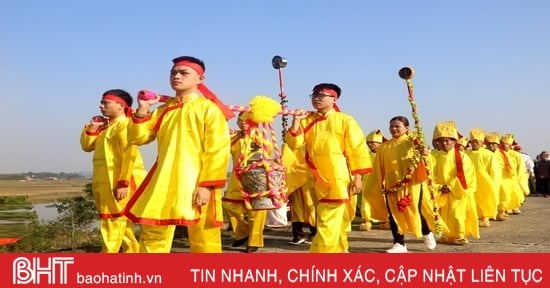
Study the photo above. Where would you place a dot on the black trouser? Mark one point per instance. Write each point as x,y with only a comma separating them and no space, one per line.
543,182
400,238
298,232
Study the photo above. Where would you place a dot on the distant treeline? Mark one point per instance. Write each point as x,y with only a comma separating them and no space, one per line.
40,175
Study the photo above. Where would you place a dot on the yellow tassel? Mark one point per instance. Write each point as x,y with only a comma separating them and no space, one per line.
264,109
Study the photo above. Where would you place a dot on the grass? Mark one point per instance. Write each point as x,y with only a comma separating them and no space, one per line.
43,191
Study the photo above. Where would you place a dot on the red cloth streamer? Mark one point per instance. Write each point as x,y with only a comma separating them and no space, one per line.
506,161
212,97
460,168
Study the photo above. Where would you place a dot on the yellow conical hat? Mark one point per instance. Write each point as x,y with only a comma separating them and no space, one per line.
445,129
463,141
492,137
507,139
477,134
375,136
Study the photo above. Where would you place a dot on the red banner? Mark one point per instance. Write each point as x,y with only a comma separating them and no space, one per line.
275,270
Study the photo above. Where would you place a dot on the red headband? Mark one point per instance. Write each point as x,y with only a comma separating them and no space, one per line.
191,65
332,93
119,100
116,99
328,91
205,91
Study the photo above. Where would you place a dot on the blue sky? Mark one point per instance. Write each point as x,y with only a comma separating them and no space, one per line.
480,63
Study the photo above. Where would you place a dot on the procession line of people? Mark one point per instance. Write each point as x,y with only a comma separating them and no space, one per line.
332,170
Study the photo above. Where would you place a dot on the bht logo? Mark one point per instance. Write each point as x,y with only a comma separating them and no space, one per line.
30,271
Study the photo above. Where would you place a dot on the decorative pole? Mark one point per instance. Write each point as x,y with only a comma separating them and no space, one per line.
279,63
407,73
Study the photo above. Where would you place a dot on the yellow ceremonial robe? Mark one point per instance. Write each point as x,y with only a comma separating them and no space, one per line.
335,150
517,197
457,208
391,164
373,201
114,161
488,181
245,223
299,181
193,146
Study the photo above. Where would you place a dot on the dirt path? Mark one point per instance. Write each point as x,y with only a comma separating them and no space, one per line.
523,233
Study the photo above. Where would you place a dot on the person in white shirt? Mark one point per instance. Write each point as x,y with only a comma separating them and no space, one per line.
529,165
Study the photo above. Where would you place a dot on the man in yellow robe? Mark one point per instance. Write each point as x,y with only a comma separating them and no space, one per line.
117,170
184,185
302,203
517,174
248,225
455,179
492,143
373,203
488,177
336,155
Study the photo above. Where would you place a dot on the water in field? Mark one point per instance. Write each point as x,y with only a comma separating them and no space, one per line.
17,214
45,213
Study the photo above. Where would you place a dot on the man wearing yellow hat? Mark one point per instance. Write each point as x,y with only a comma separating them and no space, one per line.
516,173
373,203
492,143
455,179
462,143
488,177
